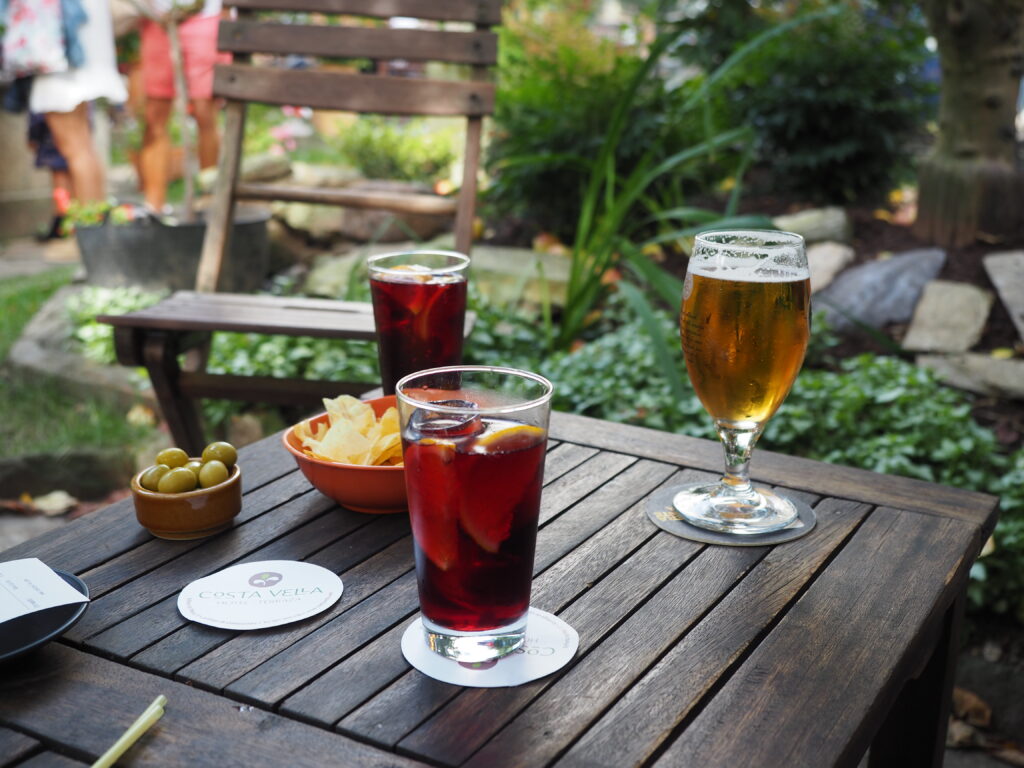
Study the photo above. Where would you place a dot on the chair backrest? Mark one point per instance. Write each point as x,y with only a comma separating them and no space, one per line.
262,79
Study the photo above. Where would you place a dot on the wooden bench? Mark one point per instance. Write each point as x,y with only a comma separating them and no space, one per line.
157,336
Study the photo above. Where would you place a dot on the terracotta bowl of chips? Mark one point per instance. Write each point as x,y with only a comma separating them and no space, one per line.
191,515
375,490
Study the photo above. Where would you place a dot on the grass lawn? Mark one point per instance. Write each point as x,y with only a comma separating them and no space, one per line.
39,416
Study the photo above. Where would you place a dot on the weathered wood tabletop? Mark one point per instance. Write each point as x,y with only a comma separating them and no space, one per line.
803,654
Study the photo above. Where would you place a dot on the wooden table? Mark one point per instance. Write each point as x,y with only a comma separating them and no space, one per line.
803,654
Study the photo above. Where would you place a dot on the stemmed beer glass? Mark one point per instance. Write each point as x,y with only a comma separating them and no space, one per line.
744,325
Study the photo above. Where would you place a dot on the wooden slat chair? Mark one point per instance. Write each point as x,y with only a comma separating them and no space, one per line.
157,336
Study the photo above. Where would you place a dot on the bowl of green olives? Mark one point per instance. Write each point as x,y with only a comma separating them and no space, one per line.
183,497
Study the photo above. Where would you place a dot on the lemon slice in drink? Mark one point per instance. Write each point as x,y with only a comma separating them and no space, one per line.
506,439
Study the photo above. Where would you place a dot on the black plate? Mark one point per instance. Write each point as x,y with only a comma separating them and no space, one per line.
24,633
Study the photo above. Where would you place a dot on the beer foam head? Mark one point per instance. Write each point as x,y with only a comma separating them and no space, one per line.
751,255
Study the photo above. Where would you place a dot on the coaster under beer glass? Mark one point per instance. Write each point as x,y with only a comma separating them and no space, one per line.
419,308
474,440
744,325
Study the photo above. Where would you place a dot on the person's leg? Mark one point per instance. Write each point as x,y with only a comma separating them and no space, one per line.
154,157
199,44
71,134
205,114
158,84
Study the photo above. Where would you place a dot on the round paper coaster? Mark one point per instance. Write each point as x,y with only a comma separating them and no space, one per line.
550,645
260,595
664,515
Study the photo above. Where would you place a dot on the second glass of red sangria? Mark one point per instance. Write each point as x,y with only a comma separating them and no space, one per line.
419,307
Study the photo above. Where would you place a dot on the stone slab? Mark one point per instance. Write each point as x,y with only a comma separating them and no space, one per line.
1006,271
827,260
501,274
880,292
950,317
982,374
817,224
42,348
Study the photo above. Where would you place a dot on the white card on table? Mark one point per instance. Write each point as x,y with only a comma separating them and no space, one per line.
30,585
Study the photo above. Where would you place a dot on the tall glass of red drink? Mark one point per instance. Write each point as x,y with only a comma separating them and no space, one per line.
419,307
474,440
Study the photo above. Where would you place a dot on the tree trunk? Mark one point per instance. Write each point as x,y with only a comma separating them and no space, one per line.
972,185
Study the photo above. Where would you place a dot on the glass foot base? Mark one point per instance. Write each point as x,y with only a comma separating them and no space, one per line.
473,647
716,507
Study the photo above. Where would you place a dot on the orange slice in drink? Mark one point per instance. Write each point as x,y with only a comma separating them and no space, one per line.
434,510
490,523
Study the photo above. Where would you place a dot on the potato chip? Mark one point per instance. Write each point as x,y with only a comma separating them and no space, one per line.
353,434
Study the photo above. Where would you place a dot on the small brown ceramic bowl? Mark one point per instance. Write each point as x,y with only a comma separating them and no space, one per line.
190,515
375,490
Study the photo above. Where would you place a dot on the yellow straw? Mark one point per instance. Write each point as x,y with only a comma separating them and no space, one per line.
144,722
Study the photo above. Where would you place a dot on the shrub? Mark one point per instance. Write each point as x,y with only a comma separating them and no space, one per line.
544,141
407,150
836,103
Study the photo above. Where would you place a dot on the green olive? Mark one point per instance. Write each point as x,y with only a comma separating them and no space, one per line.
178,480
150,479
213,473
222,452
194,465
172,457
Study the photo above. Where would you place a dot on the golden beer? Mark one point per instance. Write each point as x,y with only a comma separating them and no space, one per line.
744,333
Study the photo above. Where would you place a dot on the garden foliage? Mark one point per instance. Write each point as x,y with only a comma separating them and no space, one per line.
837,104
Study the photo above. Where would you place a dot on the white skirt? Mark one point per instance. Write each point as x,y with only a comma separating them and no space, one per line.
97,79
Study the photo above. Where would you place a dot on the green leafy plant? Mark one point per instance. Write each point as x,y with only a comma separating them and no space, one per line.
407,150
837,102
96,340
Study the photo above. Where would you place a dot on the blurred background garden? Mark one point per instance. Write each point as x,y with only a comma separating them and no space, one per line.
879,129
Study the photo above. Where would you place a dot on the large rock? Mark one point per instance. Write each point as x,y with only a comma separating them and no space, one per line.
42,348
1006,271
826,261
331,176
317,222
502,275
950,317
255,168
978,373
880,292
327,222
817,224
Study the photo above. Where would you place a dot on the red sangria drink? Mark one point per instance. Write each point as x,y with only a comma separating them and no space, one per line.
474,441
419,308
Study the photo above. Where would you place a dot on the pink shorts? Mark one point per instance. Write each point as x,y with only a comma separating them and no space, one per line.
198,37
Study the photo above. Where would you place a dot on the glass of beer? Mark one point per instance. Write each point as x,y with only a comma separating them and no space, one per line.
744,325
419,308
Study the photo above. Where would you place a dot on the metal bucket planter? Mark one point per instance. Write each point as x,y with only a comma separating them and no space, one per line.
155,256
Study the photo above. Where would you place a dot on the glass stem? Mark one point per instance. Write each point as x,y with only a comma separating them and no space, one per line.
739,440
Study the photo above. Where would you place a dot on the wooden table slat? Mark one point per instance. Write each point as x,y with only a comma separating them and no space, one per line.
52,760
631,646
154,551
332,696
112,531
211,556
147,627
841,643
767,466
85,702
363,580
15,746
639,722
